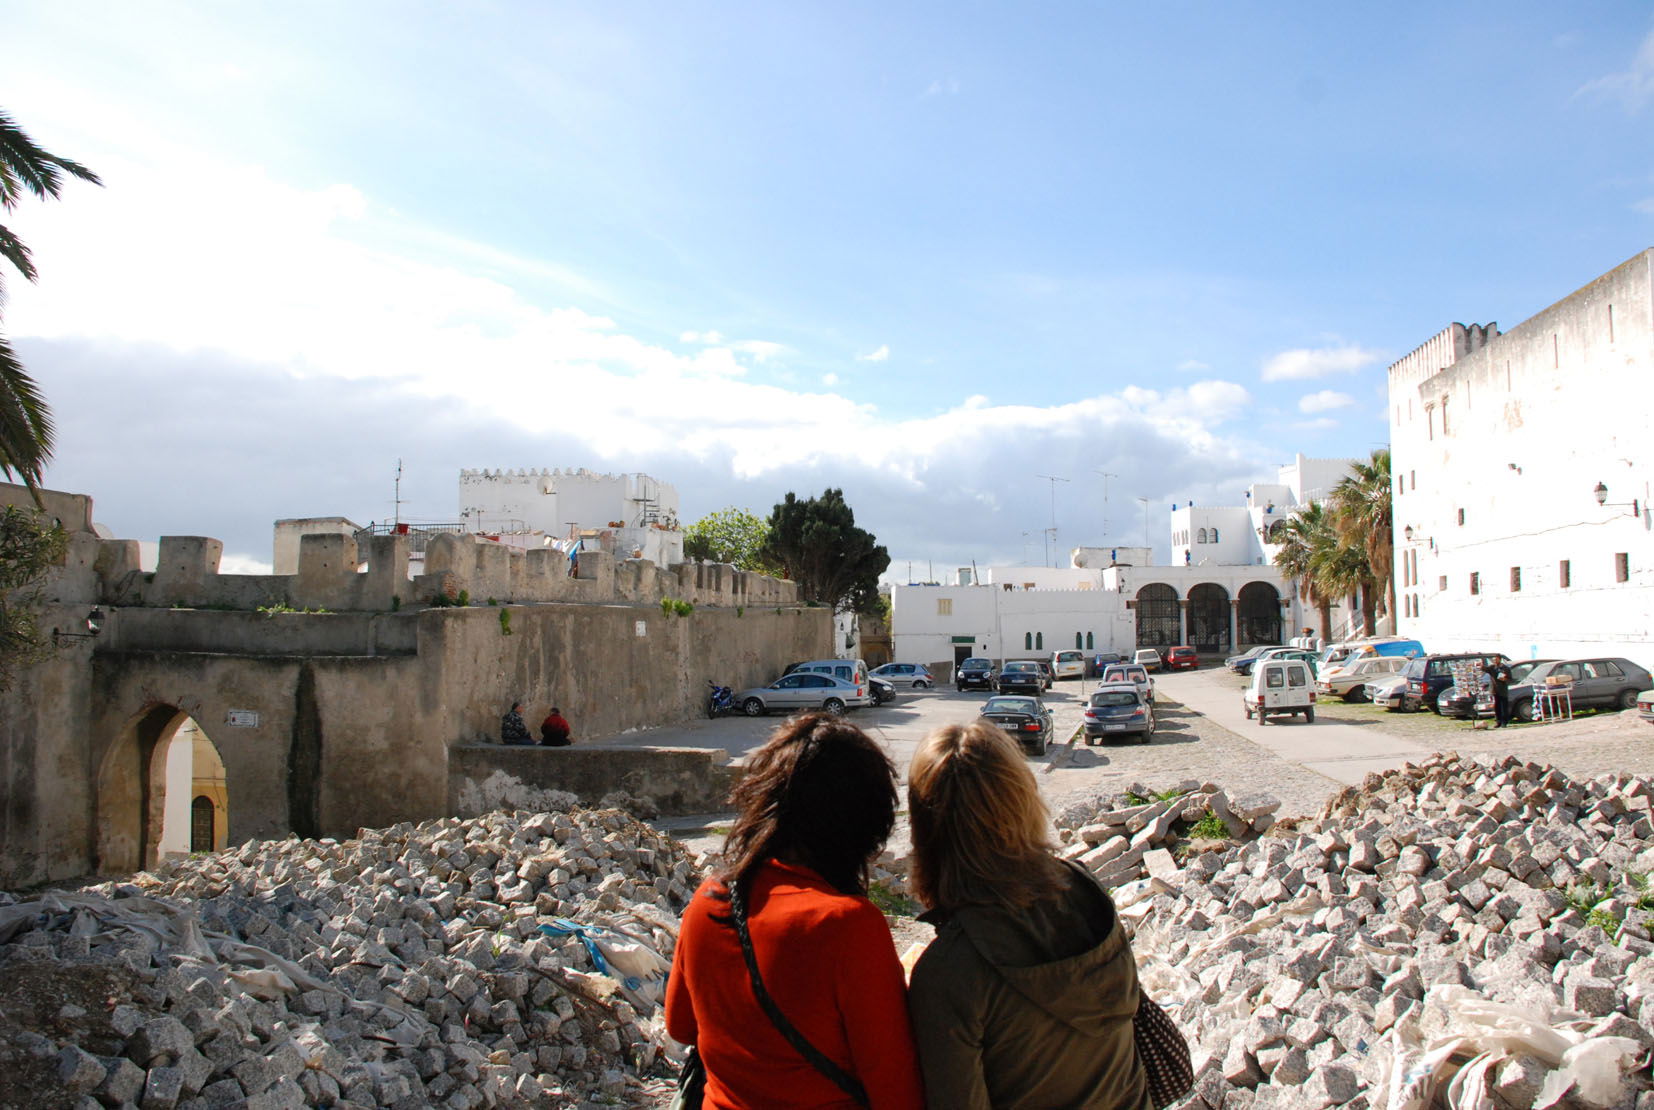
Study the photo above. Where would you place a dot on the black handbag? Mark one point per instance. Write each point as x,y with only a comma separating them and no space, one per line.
845,1082
691,1083
1162,1051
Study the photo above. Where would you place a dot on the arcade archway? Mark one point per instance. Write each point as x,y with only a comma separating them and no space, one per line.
162,791
1209,617
1159,619
1259,614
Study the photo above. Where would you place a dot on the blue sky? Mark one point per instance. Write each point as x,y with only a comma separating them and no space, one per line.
923,252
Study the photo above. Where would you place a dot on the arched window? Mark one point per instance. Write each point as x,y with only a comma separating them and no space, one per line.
1039,641
1077,644
1089,643
1200,536
201,824
1027,641
1214,535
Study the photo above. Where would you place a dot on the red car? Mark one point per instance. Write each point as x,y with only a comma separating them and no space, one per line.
1182,658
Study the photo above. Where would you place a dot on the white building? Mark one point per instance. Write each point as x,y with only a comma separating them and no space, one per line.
1223,591
1502,448
633,515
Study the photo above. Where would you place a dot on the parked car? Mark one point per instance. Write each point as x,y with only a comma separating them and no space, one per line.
1148,658
1021,676
974,674
1471,703
1429,675
1118,708
1245,666
1182,658
1281,687
1369,646
1388,692
802,690
1234,661
1102,659
879,691
1645,705
1132,673
915,675
1068,664
1025,718
1045,669
1602,683
1349,679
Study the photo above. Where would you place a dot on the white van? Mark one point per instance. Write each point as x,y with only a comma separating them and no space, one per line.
1280,687
1068,664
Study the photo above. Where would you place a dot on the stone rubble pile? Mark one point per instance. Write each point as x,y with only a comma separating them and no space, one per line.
1120,837
1474,934
403,968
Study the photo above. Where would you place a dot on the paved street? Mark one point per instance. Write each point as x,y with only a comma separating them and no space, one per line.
1204,735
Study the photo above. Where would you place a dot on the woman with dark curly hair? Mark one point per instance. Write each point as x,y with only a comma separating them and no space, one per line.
1027,994
816,805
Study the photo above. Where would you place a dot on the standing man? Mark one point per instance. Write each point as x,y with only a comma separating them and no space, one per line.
1497,670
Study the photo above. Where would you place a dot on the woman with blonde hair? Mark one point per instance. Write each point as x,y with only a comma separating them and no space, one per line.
785,977
1027,994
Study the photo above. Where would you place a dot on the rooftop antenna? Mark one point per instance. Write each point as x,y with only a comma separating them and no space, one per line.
396,507
1051,533
1106,476
1145,502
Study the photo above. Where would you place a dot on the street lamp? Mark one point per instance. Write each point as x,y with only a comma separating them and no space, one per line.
1601,494
93,625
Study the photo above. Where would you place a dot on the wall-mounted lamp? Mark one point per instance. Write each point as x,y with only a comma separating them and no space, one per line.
1408,533
1514,467
1601,493
94,625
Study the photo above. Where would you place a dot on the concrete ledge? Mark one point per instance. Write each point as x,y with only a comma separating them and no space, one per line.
677,781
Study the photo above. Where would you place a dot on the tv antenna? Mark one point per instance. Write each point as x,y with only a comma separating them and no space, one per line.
1106,476
396,503
1051,532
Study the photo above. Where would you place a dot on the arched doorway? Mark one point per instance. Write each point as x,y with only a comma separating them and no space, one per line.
1209,617
1159,620
1259,614
162,791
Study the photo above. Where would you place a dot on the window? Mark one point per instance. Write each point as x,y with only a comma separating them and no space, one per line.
1077,643
1214,535
1273,678
1415,605
1413,479
1461,516
1027,641
1039,640
1622,567
1515,580
1441,584
1475,582
1565,574
1430,419
1200,536
1089,643
1445,429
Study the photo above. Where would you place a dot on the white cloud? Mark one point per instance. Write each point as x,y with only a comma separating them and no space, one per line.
760,349
943,86
1634,87
1324,401
880,355
1193,366
829,379
1645,206
1317,362
707,338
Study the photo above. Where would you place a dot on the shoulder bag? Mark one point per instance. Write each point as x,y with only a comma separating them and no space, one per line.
691,1083
1163,1052
841,1078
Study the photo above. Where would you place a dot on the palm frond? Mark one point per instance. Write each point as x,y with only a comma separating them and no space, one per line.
31,167
26,431
13,251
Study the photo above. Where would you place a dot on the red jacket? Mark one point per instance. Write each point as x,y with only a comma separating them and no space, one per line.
828,961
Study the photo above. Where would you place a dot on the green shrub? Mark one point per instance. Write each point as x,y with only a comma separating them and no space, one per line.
505,622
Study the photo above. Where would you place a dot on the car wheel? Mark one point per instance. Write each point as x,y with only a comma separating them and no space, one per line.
1628,699
1090,741
752,707
921,685
1523,710
1350,695
1263,718
833,706
1039,748
1309,716
1436,709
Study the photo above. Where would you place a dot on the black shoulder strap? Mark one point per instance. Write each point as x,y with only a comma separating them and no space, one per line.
843,1079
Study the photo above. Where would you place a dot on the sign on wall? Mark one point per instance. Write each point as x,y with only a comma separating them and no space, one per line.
242,718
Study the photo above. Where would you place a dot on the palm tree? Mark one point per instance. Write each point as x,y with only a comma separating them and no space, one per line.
1301,536
1361,515
1340,569
25,421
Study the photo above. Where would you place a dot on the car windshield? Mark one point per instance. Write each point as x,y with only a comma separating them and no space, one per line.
1011,705
1114,697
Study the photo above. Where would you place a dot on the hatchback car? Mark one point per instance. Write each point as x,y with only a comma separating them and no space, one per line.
1026,720
1182,658
1348,680
1021,676
1388,692
1429,675
1068,664
1118,709
1312,658
974,674
1233,662
802,690
1102,659
879,691
1132,673
1645,706
1592,684
1148,658
916,675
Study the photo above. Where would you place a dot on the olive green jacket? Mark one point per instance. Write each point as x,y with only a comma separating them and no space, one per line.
1030,1008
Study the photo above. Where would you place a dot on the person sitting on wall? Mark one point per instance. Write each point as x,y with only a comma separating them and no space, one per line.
554,730
513,729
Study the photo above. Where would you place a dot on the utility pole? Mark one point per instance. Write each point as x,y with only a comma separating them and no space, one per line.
1106,476
1052,532
1145,502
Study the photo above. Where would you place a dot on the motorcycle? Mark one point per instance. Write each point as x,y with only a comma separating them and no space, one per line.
718,699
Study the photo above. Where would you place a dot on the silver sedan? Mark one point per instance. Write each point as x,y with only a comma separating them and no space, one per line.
802,690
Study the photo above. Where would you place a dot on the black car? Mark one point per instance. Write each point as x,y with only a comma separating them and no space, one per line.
1591,684
1021,676
974,674
880,690
1428,675
1469,703
1024,719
